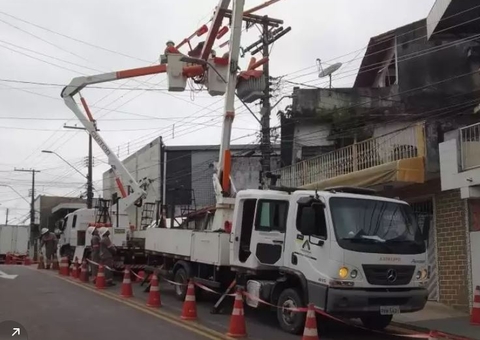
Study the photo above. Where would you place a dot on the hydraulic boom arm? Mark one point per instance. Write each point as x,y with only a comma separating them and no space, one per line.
119,170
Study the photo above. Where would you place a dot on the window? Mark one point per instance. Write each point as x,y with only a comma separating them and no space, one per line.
271,215
311,221
74,222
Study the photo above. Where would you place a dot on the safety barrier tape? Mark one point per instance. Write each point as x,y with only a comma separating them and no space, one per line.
302,310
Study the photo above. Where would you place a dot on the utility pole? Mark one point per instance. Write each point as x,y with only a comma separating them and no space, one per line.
6,218
32,209
271,32
90,166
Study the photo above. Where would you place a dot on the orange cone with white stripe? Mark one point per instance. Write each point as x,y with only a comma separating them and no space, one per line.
238,328
63,267
310,331
126,291
74,269
100,280
189,311
154,295
475,316
83,272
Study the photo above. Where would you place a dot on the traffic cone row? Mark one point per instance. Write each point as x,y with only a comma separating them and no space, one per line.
189,311
100,280
154,294
83,272
126,291
310,331
238,328
63,267
475,317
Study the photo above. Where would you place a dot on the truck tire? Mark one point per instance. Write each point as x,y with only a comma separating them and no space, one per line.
291,322
181,277
376,321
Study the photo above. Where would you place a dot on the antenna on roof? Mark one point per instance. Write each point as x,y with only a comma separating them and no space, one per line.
328,71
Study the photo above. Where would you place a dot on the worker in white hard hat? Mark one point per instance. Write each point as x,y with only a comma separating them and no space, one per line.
95,254
107,251
50,241
170,47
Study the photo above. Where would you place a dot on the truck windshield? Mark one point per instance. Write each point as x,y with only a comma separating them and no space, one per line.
376,226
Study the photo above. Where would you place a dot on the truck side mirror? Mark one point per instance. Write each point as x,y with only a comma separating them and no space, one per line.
426,228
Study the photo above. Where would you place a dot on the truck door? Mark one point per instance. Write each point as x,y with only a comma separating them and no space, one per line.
268,234
308,249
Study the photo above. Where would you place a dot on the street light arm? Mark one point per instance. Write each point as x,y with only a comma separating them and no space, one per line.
21,196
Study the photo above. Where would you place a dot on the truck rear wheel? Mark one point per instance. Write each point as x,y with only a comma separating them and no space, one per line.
181,277
376,321
291,322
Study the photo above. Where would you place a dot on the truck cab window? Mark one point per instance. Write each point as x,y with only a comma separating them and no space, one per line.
311,220
271,215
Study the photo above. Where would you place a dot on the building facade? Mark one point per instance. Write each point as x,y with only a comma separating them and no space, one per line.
188,174
416,84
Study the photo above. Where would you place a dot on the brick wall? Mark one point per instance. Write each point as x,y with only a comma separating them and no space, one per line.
452,249
451,239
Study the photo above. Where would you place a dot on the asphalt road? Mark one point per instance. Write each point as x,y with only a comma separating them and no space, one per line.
53,308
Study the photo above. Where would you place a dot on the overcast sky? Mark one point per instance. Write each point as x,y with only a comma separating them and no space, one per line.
40,50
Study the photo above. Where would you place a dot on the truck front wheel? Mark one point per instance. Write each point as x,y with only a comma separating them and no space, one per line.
376,321
291,322
181,278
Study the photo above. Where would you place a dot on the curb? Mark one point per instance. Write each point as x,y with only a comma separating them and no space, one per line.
426,330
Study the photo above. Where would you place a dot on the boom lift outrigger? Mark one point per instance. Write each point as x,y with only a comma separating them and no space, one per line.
178,71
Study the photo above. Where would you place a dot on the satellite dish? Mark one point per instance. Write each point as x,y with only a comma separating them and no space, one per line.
322,73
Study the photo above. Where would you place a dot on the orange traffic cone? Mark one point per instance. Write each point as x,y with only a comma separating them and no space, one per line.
41,265
74,269
237,328
78,268
154,295
189,311
63,268
83,272
100,280
126,291
55,265
310,331
475,317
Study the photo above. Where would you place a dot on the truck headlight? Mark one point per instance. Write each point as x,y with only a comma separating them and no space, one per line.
343,272
419,275
353,274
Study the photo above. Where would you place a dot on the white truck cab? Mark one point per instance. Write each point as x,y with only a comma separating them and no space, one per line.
347,251
75,238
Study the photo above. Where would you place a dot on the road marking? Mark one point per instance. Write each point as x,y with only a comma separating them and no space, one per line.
159,314
7,276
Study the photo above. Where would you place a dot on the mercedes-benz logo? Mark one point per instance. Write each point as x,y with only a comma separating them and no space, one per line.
391,275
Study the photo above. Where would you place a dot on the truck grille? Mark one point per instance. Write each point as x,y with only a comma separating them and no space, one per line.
388,275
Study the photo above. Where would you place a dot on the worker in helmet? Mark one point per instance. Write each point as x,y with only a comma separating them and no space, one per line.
107,251
170,48
95,255
50,241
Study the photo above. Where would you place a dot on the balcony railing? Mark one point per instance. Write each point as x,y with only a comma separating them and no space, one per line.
401,144
470,146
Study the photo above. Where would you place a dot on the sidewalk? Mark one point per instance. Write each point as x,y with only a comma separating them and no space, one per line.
436,316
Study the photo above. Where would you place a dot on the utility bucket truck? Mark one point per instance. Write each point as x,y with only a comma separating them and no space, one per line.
347,251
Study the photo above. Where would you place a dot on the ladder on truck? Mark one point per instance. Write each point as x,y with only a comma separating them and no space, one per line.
103,212
148,213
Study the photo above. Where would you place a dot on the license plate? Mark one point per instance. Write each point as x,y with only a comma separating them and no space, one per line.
389,310
119,231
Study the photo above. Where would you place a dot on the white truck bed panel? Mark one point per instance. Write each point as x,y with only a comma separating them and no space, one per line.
169,241
211,248
14,239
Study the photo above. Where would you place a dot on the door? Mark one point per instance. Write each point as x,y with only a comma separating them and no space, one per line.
268,234
422,209
308,249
